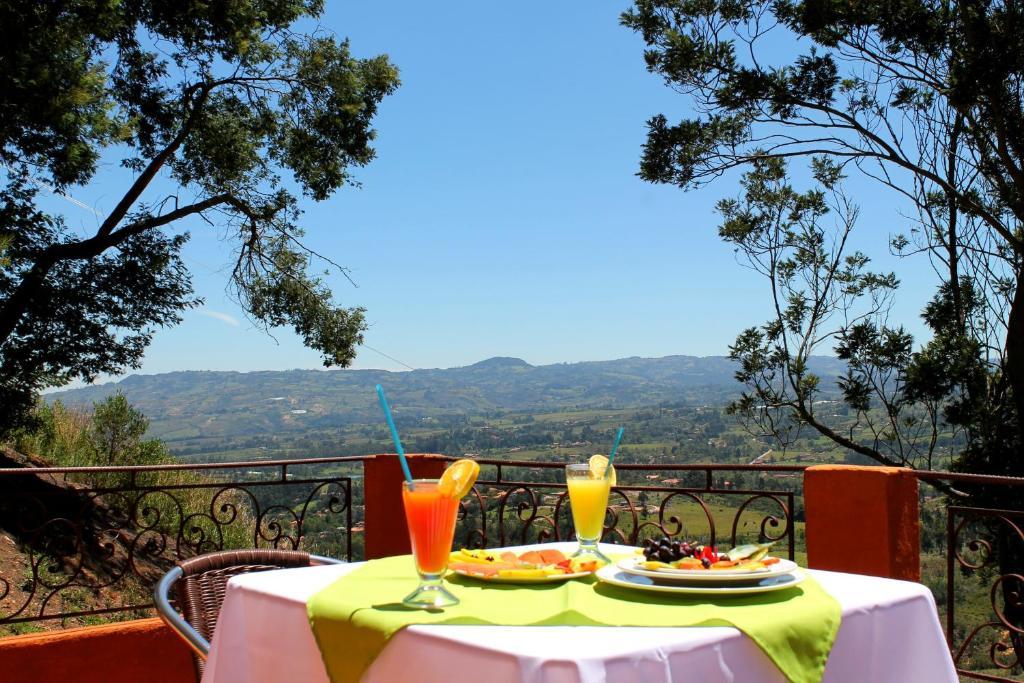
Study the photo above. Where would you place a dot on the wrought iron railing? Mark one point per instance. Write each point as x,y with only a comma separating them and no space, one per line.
91,536
984,582
86,541
77,543
506,509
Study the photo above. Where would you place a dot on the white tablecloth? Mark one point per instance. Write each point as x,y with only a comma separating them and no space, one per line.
889,634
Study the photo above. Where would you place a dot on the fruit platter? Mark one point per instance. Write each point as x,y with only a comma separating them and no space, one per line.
681,560
504,566
669,565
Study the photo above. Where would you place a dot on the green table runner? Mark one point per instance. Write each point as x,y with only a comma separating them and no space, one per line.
353,618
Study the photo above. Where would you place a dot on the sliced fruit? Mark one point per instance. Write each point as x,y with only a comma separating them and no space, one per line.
552,556
490,563
476,569
584,566
464,556
598,465
724,564
522,573
458,478
532,557
653,565
752,551
750,566
688,563
769,560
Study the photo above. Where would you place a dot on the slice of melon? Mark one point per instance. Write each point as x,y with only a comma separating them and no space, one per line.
487,570
532,557
552,556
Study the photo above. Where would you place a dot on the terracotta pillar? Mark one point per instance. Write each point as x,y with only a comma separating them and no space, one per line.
863,520
385,532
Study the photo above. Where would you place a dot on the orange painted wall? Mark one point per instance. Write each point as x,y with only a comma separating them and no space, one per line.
863,520
386,532
143,651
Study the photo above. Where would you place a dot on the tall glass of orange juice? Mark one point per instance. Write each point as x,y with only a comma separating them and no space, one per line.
588,497
431,515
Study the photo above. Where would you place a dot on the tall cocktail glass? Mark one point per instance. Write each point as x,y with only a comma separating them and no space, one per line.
588,498
431,518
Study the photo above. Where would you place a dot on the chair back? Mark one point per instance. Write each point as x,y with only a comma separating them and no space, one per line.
199,584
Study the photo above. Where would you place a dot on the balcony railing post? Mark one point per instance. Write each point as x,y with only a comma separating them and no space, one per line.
385,532
863,520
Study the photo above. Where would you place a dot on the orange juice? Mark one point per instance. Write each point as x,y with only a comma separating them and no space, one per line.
588,489
431,518
588,498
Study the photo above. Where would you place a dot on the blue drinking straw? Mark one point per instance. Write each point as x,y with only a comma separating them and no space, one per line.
394,435
611,456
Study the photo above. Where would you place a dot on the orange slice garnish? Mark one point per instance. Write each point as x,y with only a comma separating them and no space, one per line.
459,478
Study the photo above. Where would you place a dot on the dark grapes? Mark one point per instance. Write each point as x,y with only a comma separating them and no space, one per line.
669,550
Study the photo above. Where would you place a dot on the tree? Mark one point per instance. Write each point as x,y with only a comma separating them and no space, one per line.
222,102
117,431
926,99
826,299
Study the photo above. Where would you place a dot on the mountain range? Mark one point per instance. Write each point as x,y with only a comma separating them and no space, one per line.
215,403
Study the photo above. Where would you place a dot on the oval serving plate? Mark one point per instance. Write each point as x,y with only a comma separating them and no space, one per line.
551,578
780,568
615,576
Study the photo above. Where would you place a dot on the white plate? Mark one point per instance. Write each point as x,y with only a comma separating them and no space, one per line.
630,565
552,578
615,576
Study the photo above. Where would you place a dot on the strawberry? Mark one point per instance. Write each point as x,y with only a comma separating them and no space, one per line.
708,553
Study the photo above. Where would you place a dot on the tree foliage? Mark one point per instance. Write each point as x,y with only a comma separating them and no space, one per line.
117,430
925,98
224,102
112,434
826,299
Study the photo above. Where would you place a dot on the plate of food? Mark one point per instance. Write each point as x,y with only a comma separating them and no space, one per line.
505,566
670,559
615,576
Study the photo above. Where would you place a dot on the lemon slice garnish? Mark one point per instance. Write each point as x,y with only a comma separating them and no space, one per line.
459,478
598,464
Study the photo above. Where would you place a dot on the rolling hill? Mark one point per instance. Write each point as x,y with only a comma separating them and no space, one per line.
220,404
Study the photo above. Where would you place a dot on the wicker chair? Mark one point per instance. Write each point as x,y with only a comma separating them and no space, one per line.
199,584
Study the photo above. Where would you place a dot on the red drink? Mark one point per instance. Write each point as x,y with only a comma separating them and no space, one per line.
431,518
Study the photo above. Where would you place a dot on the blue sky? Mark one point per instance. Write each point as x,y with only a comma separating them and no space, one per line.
503,215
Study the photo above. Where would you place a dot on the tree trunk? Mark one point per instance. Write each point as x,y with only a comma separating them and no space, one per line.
1010,550
1015,364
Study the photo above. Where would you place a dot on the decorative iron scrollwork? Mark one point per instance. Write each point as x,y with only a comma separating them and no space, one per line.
118,540
523,513
978,556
